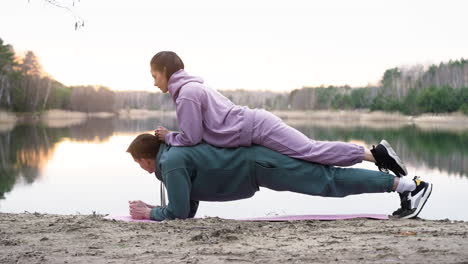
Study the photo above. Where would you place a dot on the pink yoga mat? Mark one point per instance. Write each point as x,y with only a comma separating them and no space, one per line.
283,218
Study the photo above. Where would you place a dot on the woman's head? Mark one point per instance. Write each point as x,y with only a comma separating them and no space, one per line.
163,65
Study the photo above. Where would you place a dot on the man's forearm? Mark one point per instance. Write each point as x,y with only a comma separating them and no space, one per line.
150,206
157,213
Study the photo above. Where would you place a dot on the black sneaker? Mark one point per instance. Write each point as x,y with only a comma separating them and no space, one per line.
386,159
413,202
402,205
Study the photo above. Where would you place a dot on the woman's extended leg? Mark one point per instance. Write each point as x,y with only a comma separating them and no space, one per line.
271,132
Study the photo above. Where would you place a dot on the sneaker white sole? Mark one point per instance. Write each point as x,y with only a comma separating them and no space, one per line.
422,202
393,154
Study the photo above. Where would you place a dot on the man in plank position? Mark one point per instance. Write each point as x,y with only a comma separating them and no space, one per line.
208,173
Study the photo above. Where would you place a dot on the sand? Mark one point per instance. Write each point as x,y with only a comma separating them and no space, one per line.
7,121
39,238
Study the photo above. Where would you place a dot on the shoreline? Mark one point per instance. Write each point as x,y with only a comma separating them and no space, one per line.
356,118
454,122
33,237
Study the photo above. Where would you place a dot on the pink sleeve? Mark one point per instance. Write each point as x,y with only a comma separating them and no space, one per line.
189,117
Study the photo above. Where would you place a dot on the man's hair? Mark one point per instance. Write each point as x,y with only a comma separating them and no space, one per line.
144,146
168,60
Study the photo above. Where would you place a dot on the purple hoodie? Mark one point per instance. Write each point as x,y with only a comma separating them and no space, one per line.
205,114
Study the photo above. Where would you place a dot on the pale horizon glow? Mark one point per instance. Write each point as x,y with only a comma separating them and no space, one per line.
254,45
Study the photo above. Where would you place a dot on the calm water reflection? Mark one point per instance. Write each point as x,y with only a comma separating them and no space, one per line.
84,168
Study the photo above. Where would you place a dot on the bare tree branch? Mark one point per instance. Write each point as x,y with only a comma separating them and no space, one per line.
68,5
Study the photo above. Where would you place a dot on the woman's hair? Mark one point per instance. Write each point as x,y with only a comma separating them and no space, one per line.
144,146
168,60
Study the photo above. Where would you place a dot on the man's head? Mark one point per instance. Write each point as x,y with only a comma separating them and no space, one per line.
144,149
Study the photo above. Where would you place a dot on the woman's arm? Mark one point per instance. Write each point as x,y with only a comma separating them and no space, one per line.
190,119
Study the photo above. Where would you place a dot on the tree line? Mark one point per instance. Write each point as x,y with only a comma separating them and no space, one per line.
25,87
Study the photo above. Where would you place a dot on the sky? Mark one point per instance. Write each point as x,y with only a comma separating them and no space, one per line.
242,44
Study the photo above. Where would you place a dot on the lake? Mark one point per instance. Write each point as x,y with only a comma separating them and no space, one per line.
84,168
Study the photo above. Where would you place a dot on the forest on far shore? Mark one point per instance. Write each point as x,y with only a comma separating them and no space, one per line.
443,88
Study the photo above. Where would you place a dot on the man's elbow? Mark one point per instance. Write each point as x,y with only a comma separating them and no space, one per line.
181,215
179,212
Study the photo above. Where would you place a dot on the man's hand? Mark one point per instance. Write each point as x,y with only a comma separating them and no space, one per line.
161,132
142,203
139,210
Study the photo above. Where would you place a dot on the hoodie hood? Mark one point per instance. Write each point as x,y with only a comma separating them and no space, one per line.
179,79
157,172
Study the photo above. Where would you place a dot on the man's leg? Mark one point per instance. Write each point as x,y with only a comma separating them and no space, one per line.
322,180
329,181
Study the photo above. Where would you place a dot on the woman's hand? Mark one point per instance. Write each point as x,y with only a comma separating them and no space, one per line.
161,133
